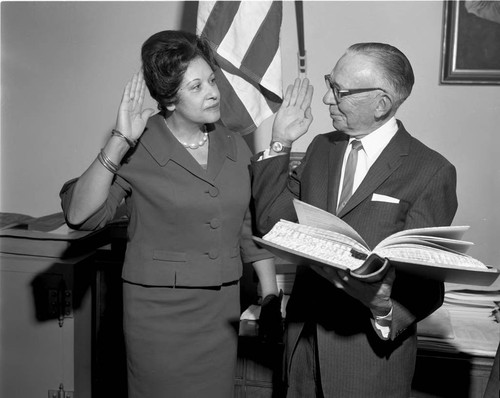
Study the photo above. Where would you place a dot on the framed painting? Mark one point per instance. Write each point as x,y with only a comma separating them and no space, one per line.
471,42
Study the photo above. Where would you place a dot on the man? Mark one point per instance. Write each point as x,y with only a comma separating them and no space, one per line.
347,338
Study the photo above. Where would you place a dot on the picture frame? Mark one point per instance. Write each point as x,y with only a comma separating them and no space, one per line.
470,49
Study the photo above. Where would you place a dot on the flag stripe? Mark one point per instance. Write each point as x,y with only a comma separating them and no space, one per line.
248,46
272,78
245,38
265,44
218,21
237,111
234,113
241,34
256,105
203,13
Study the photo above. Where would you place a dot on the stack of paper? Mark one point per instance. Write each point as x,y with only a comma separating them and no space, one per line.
473,314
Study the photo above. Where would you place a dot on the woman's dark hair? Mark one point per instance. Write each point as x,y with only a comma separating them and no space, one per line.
165,58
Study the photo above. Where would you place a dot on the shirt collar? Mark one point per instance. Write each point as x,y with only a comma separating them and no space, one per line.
375,142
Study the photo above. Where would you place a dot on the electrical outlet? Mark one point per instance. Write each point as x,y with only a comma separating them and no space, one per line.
61,393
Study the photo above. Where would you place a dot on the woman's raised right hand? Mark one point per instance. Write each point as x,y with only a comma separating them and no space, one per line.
132,119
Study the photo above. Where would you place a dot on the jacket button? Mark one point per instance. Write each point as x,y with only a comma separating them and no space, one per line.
213,192
215,223
213,254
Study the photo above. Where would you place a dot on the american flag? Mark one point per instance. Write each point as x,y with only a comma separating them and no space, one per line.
245,36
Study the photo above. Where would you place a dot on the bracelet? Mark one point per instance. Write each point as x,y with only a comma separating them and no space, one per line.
131,143
107,162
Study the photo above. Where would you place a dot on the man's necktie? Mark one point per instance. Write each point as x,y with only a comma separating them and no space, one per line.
350,169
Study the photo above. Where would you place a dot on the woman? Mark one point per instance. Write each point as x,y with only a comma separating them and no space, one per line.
186,187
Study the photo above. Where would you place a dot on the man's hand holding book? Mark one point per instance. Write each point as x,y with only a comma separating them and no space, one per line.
373,293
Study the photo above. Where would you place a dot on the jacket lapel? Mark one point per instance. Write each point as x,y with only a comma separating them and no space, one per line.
164,147
386,164
222,146
335,163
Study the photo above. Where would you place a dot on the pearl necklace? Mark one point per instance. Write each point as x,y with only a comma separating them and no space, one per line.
197,145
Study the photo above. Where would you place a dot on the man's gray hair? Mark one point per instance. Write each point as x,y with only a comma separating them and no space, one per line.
395,69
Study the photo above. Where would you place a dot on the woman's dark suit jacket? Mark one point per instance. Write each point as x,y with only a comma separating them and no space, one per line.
188,226
354,361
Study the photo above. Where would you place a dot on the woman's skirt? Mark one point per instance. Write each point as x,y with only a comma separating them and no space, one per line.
181,342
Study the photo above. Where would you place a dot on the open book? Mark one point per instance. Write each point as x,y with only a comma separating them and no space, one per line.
321,238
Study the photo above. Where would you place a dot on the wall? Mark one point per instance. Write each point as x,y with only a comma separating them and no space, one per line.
64,65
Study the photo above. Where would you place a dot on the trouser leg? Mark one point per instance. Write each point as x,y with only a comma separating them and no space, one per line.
304,378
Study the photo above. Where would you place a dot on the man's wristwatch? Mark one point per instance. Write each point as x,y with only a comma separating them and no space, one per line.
278,147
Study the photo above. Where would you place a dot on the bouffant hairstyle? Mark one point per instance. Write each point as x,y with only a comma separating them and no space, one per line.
165,57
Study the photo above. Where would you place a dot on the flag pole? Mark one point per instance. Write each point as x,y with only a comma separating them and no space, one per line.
301,55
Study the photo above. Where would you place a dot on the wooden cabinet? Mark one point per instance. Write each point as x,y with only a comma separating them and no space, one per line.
450,375
46,306
437,374
259,366
45,334
258,371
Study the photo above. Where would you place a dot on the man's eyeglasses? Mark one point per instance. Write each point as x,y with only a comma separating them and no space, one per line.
341,93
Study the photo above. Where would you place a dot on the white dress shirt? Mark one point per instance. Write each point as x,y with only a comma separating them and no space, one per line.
373,145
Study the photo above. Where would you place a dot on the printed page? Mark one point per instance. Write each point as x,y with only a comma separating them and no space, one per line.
417,254
449,232
451,245
315,217
317,243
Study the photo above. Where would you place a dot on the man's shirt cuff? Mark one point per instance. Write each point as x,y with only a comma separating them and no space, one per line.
382,325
